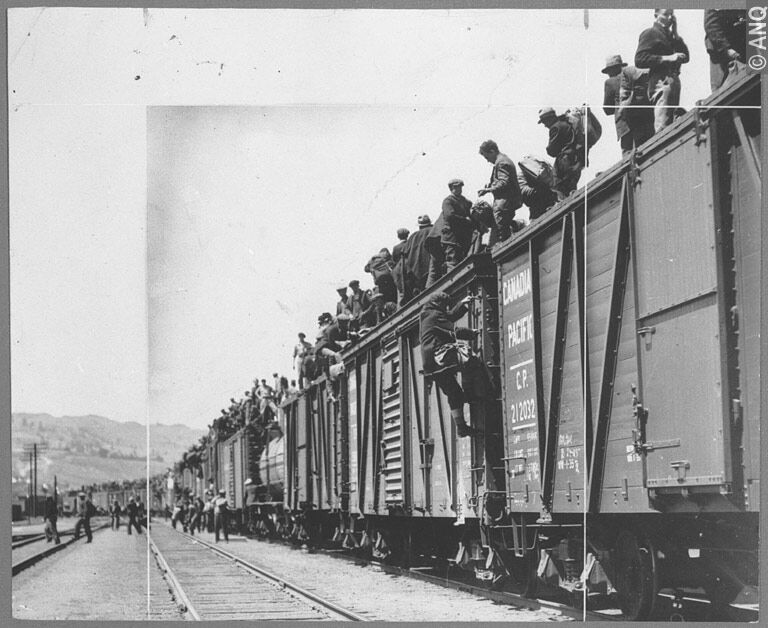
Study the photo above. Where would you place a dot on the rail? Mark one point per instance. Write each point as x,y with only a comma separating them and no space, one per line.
186,599
27,562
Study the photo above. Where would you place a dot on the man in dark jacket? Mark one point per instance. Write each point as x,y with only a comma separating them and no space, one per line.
398,259
726,41
662,51
506,192
85,509
397,250
439,355
435,250
50,517
457,225
567,147
416,259
132,510
625,94
380,267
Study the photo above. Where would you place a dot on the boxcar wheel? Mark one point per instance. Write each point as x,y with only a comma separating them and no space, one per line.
636,577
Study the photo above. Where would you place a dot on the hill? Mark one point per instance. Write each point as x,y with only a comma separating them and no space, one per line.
86,449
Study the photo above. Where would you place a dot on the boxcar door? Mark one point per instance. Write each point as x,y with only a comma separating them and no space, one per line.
421,444
677,319
391,438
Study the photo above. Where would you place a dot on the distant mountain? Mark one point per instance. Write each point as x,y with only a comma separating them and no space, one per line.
87,449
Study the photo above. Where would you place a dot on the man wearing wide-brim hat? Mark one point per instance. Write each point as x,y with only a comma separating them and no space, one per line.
625,97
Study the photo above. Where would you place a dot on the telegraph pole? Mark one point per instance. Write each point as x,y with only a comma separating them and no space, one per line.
29,492
33,450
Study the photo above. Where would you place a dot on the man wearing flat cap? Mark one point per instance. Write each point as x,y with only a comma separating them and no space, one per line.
342,307
416,260
457,225
625,97
504,188
359,300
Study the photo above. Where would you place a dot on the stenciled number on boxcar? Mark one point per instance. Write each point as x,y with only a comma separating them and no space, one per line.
519,332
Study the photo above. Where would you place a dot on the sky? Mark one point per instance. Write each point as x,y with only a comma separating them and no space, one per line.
188,187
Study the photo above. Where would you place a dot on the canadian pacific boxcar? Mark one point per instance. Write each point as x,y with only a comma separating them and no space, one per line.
619,446
620,452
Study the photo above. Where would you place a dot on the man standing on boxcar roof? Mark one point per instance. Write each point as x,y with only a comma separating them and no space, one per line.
662,51
567,147
506,192
626,98
726,41
300,351
416,259
457,225
342,307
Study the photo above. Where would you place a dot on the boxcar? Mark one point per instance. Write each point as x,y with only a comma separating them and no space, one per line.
631,396
619,446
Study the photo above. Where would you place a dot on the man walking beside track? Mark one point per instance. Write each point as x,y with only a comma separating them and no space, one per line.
84,513
133,516
221,515
115,511
51,516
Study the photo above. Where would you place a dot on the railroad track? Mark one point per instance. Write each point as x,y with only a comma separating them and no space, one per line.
24,563
210,583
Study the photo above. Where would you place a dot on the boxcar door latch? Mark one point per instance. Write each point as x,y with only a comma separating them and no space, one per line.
681,466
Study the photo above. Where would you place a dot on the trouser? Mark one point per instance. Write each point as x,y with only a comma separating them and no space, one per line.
568,167
220,525
84,522
387,288
115,522
132,522
51,531
436,261
503,216
666,98
194,523
640,131
453,254
209,521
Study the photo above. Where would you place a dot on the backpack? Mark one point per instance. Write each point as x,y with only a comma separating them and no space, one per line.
537,172
576,117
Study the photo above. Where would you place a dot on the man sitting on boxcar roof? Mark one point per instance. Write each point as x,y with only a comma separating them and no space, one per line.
443,357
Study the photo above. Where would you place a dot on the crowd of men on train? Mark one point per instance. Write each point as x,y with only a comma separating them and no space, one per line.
643,99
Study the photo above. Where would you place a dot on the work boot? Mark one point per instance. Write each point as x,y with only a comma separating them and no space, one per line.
467,430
